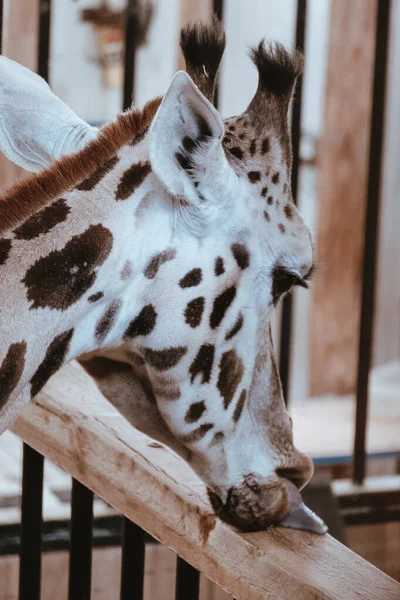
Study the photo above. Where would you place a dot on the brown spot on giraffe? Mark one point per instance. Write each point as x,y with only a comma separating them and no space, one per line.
195,411
253,147
275,177
61,278
239,406
155,263
107,321
90,182
165,359
132,179
203,363
221,305
236,327
264,191
265,146
53,360
192,278
95,297
267,217
270,200
43,221
254,176
288,210
5,247
236,152
281,227
11,370
230,375
219,268
197,434
194,311
241,255
126,272
143,324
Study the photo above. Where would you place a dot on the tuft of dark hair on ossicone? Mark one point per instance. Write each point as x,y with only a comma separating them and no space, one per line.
203,45
278,68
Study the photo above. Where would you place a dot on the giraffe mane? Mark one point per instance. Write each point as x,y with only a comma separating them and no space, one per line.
25,198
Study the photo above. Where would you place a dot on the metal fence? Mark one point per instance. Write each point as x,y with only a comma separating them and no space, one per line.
82,530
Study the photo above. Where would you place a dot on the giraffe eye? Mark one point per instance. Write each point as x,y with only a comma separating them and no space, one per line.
283,281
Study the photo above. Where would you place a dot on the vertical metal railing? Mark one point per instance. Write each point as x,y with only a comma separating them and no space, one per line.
218,10
133,557
371,236
131,33
33,462
81,535
133,546
287,305
187,581
31,524
44,38
1,25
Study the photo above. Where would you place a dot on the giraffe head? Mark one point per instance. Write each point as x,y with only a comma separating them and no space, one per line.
214,244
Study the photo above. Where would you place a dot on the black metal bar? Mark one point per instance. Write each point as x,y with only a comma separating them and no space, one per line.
131,34
33,462
218,10
287,305
371,235
31,524
132,575
80,558
1,24
187,581
44,38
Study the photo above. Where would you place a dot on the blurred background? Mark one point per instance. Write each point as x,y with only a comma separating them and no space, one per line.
348,161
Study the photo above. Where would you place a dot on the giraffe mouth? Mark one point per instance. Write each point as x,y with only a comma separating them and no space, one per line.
252,506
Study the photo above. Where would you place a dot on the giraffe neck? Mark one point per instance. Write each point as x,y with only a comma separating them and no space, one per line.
65,270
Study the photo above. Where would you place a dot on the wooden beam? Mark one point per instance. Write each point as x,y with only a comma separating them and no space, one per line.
342,181
73,425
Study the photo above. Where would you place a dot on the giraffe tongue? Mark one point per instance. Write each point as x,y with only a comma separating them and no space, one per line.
300,516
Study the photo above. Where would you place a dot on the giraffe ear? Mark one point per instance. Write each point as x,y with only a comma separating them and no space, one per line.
36,128
185,142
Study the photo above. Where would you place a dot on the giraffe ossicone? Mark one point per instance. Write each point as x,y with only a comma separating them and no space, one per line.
153,251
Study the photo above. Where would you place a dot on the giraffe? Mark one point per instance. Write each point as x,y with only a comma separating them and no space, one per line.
154,251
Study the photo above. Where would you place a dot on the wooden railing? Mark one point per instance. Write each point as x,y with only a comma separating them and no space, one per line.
73,425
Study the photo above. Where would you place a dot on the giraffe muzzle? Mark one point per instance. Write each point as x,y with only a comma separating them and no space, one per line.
255,505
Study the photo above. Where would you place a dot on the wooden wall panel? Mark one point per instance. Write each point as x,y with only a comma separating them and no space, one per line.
20,27
343,166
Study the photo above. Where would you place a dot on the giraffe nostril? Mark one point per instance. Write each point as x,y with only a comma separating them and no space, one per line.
298,473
